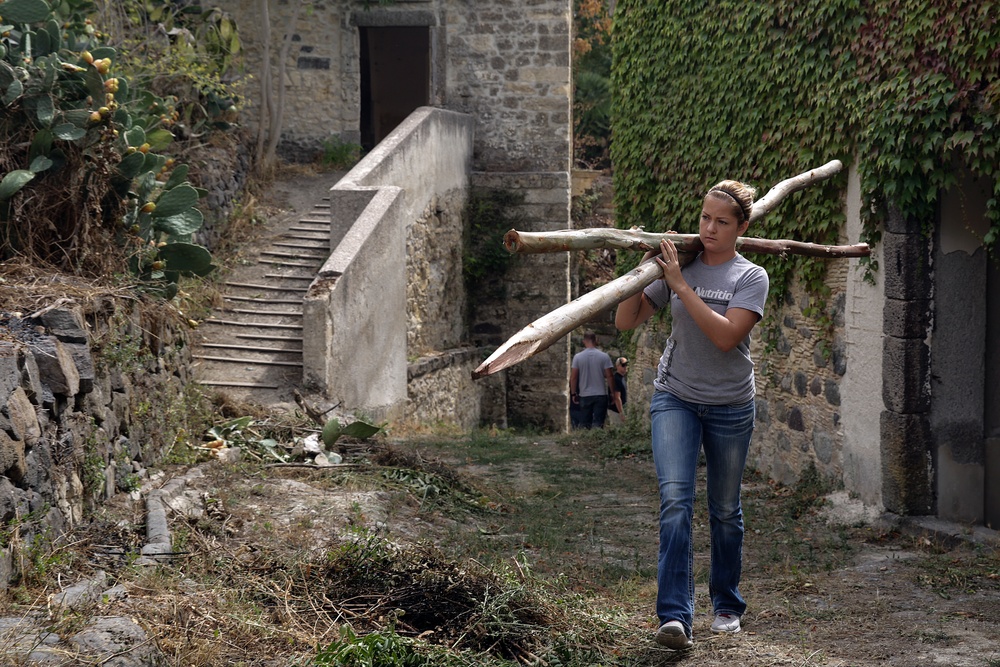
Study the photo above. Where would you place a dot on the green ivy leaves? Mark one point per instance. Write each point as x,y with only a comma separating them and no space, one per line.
760,91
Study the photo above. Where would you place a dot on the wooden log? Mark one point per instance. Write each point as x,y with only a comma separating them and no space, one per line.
641,241
549,328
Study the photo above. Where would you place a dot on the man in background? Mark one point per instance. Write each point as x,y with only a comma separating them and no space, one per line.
591,382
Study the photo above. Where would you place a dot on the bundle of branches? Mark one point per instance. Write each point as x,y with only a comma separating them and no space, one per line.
546,330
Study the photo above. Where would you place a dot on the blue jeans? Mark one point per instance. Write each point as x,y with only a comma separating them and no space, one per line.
680,429
593,410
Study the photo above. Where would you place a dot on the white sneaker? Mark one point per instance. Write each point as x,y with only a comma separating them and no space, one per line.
672,635
726,623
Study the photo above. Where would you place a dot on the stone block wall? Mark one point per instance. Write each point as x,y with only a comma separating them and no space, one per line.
799,386
435,289
90,395
440,388
443,394
508,65
799,412
907,473
223,172
322,77
537,388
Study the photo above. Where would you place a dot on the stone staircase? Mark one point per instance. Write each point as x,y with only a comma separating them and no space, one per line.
251,347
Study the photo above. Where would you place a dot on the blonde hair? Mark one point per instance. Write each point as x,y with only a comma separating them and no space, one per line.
737,193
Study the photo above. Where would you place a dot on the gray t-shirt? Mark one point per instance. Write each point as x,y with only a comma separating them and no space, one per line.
692,367
590,364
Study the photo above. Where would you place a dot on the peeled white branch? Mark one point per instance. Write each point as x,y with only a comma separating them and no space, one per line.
636,239
549,328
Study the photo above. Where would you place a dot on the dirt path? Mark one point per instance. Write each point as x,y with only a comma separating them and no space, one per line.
254,577
827,582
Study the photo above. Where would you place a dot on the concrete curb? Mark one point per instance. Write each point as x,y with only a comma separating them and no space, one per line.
948,532
159,546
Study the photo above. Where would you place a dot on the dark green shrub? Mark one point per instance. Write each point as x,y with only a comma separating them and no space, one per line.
490,214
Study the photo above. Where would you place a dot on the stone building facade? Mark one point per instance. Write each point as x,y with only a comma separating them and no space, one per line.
354,70
799,386
898,400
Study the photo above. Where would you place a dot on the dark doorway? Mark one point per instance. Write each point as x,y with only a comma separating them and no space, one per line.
992,394
395,78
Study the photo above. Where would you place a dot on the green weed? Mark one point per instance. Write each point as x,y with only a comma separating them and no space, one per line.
382,648
339,155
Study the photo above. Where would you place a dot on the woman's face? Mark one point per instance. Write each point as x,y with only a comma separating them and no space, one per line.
720,225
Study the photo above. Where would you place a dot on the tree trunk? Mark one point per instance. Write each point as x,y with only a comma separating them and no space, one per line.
272,106
265,110
636,239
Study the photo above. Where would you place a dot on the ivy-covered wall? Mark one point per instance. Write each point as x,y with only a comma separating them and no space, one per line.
905,92
760,91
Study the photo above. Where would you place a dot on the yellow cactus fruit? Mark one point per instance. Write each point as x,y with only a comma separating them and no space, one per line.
148,207
103,65
96,117
87,57
144,148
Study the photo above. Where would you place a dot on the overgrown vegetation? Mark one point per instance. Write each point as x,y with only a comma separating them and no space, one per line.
760,91
339,154
88,183
185,54
557,568
489,215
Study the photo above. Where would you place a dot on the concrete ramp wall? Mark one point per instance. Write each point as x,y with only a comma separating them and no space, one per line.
355,313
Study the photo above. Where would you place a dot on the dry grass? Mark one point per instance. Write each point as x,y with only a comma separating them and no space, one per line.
28,286
528,550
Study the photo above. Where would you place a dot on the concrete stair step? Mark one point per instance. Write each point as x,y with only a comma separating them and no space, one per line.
251,347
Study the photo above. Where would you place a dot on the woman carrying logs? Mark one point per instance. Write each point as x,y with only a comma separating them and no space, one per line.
704,396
